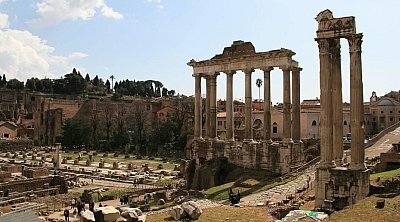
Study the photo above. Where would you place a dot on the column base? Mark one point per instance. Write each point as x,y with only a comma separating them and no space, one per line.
269,141
248,140
287,141
326,165
360,166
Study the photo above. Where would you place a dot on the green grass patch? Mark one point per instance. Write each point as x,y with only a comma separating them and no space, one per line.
384,175
248,183
365,210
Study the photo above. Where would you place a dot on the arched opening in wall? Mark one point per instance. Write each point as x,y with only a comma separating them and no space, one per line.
275,128
257,124
345,123
314,123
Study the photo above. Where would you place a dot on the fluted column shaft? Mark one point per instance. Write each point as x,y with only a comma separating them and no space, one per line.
337,102
286,105
356,103
229,105
267,103
208,90
296,104
213,106
248,105
326,104
197,107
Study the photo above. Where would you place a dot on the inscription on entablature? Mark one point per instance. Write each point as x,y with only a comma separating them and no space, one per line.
336,27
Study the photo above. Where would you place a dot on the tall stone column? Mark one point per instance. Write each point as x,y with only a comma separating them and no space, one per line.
213,105
356,103
337,101
286,105
229,105
248,105
296,104
326,104
267,103
208,91
197,106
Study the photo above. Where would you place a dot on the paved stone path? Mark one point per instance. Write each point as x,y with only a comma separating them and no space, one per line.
384,144
281,192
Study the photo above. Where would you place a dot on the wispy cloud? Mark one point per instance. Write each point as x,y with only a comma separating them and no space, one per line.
55,11
158,3
3,20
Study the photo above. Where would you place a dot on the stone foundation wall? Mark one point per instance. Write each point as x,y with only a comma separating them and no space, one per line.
275,157
35,184
340,187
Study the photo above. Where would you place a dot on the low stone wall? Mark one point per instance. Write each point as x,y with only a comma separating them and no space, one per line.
35,184
35,172
15,145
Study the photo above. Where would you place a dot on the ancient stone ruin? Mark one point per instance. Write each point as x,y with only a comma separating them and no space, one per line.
266,155
338,184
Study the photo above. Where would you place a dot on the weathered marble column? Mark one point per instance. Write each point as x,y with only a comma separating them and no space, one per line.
248,105
296,104
229,105
337,102
286,105
213,105
208,90
356,103
267,103
326,104
197,106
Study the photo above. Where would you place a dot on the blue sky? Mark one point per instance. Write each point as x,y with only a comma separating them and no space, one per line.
154,39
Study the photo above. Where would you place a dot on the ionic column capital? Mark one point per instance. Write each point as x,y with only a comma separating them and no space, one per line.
267,68
230,72
248,71
297,69
285,68
355,42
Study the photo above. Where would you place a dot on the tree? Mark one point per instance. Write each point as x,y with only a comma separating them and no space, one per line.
108,85
259,83
15,84
87,77
74,133
112,77
96,81
4,80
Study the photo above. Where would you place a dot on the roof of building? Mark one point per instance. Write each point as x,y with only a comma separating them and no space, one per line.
9,122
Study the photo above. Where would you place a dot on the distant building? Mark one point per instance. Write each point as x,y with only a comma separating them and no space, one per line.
384,110
8,130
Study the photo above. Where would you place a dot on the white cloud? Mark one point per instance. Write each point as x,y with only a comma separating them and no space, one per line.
158,3
3,20
55,11
26,55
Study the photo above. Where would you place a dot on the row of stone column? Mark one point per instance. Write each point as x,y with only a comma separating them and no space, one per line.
332,104
291,113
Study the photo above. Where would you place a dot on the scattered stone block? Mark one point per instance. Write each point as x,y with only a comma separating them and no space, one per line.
76,162
192,209
88,163
177,212
380,203
110,213
115,166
